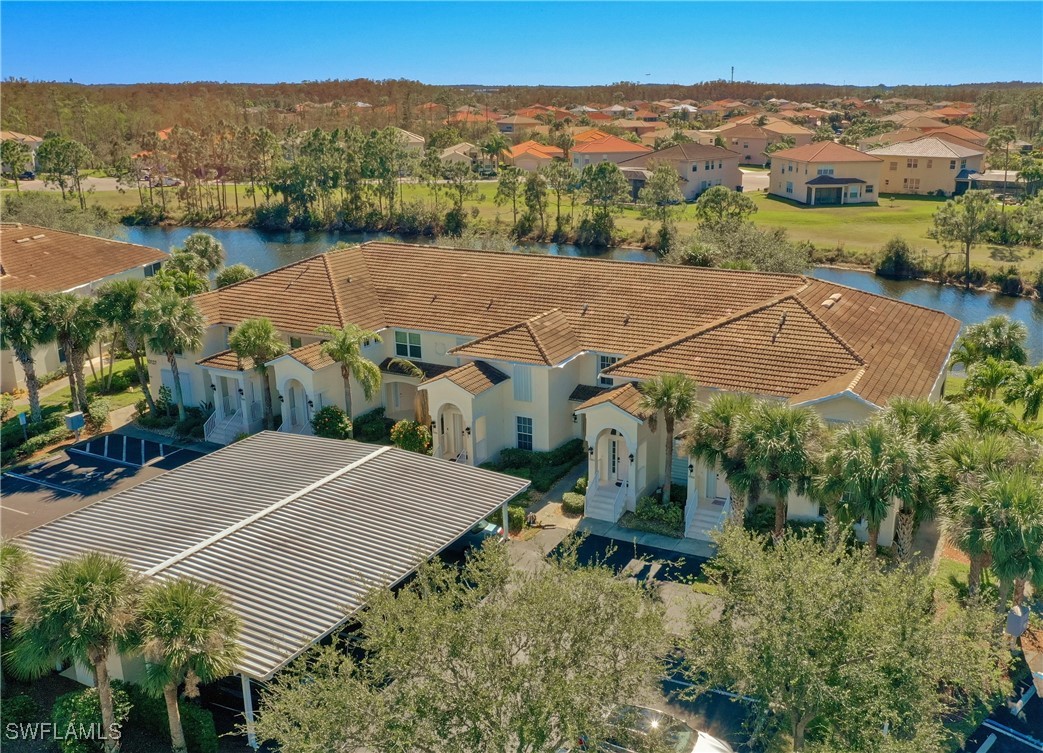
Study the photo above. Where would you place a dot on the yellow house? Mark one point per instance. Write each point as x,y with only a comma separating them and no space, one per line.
698,166
825,173
927,165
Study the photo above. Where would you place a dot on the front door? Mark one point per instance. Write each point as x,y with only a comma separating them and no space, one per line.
716,486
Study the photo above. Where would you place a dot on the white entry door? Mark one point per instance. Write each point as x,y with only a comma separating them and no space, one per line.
716,486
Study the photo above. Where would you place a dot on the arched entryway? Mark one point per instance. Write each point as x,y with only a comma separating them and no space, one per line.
450,437
296,416
612,459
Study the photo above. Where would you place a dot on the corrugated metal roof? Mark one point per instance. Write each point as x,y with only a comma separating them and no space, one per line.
296,529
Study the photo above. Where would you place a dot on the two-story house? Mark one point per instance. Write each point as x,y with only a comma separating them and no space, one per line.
698,166
928,165
825,173
527,351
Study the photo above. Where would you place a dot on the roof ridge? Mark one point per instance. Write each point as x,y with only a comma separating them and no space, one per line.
527,324
241,524
338,304
833,333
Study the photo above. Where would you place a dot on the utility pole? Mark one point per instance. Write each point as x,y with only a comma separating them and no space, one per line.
733,74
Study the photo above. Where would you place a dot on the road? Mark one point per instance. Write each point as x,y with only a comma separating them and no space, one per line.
754,180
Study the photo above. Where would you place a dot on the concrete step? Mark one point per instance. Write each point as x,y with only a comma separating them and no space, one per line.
703,522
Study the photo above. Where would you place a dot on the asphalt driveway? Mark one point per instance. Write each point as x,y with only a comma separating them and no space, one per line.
640,561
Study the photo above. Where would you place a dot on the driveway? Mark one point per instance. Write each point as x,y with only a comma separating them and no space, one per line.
754,180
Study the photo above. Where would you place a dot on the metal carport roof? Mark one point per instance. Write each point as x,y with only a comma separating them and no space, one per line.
296,529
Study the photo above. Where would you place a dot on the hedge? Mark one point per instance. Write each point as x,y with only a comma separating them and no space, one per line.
19,709
515,519
572,503
34,444
150,713
81,710
543,468
331,423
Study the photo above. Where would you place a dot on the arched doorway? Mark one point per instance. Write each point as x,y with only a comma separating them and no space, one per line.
449,431
612,459
295,414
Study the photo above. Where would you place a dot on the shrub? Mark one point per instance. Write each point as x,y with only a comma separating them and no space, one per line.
515,519
233,274
6,406
581,485
512,457
150,713
331,422
572,503
651,509
543,478
897,260
373,427
412,436
19,709
1037,283
36,443
192,426
53,376
1009,281
144,214
97,414
81,710
120,382
148,421
760,519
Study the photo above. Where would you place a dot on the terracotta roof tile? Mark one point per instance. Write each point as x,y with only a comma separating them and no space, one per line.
835,386
824,151
626,397
311,356
49,261
475,377
546,339
687,152
610,145
227,359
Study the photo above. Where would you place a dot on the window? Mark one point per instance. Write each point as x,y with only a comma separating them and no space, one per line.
853,193
892,166
745,145
695,168
523,383
61,355
603,363
930,164
524,433
295,342
952,164
707,166
911,163
151,269
407,344
827,170
869,188
963,164
789,167
914,184
789,186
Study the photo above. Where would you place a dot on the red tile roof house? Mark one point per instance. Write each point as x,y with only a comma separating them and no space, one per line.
825,173
607,148
50,261
529,351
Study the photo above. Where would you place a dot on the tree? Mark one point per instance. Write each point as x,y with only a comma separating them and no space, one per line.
674,396
605,188
60,161
780,443
870,466
75,323
555,646
711,439
207,249
345,347
257,341
233,274
412,436
118,304
998,337
834,648
1026,386
81,609
507,189
965,219
785,142
660,196
181,275
494,147
188,634
14,572
1001,137
25,326
720,205
534,193
172,325
44,209
331,422
16,156
986,416
563,179
987,376
823,133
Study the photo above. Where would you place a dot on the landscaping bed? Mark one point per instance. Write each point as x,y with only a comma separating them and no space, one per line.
653,516
542,468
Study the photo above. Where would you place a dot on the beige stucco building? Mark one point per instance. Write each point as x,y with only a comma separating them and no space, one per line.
528,351
928,165
699,167
825,173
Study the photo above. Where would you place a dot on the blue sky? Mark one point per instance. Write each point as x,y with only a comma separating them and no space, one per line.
523,43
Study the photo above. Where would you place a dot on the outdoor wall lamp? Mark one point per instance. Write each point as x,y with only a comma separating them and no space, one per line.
575,418
311,404
213,387
241,392
467,431
433,425
281,398
691,468
631,457
590,451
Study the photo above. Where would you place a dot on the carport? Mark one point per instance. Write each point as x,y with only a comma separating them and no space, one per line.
296,529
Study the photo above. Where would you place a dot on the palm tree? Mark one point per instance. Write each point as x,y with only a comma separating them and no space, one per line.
674,396
711,439
24,325
345,347
14,572
80,610
985,377
870,465
494,147
1026,387
257,340
780,443
188,634
172,325
987,416
207,248
76,324
998,336
118,304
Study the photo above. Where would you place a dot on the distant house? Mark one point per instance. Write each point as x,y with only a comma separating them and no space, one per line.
470,118
516,124
825,173
463,153
1000,182
532,155
609,148
646,115
751,142
413,142
927,165
42,260
699,167
637,127
699,137
33,142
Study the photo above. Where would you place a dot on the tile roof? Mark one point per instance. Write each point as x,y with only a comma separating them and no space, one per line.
475,377
546,339
544,151
824,151
583,392
49,261
784,126
686,152
610,306
831,387
609,144
961,132
23,138
430,370
311,355
227,359
744,131
926,146
589,134
781,348
626,397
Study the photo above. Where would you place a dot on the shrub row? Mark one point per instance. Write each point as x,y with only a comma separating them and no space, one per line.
34,444
81,710
150,713
572,503
542,468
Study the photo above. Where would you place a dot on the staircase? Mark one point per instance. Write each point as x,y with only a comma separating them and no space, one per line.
601,503
704,521
225,431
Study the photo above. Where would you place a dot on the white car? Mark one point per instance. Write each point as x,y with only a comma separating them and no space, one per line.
640,727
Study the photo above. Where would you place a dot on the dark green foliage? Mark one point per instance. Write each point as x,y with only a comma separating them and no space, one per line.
331,422
515,519
150,713
81,710
572,503
596,231
373,427
192,426
19,709
411,436
581,485
148,421
35,443
97,414
898,261
544,468
1009,281
144,214
651,509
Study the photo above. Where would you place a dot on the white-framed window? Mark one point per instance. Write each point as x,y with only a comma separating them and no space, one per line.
407,344
789,186
603,363
952,164
911,163
151,269
695,168
524,433
853,193
930,164
869,188
523,383
825,170
963,164
892,166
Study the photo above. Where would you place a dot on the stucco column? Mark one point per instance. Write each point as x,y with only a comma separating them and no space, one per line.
631,492
215,394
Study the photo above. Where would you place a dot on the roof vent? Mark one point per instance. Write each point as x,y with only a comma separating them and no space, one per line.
835,297
626,318
828,303
38,236
490,304
778,330
586,308
22,240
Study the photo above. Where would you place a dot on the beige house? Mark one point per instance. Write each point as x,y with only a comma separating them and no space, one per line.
42,260
751,141
33,144
825,173
699,167
529,351
605,148
464,153
513,124
928,165
413,142
530,156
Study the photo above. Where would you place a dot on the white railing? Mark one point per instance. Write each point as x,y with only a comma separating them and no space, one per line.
208,426
619,501
211,426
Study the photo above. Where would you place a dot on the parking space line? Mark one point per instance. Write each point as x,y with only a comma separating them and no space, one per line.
1013,734
11,509
718,691
46,484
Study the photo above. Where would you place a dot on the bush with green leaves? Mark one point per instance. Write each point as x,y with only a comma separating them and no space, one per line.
515,519
6,406
898,261
572,503
97,414
581,485
331,423
19,709
150,713
373,427
80,710
412,436
544,468
651,509
233,274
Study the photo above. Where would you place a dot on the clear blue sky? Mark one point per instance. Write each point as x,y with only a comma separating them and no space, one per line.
524,43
